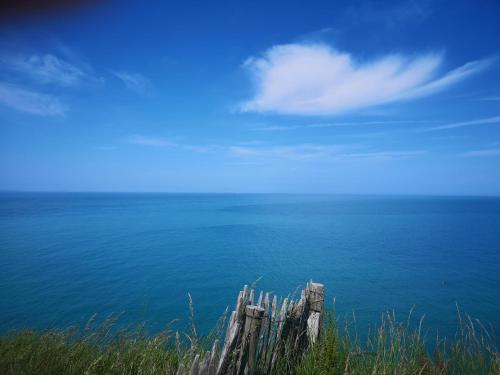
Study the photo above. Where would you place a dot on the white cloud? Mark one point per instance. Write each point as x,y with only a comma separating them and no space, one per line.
134,81
450,78
145,140
384,155
319,152
255,151
487,152
335,124
29,77
149,141
273,128
297,152
483,121
315,79
49,69
30,101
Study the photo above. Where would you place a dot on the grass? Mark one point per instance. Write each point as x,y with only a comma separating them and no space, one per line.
88,351
394,348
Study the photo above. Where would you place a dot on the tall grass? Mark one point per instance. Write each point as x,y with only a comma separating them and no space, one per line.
393,348
91,350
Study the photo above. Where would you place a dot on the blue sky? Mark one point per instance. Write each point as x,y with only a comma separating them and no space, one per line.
295,97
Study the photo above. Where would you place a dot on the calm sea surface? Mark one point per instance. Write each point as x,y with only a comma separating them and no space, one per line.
64,257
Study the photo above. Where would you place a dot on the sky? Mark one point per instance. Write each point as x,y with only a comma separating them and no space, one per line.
351,97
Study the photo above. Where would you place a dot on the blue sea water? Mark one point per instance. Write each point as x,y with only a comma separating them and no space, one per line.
66,256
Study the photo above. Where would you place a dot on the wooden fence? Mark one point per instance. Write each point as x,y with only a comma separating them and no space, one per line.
260,333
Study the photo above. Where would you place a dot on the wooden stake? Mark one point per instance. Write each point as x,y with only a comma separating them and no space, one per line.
281,323
316,302
259,302
264,331
214,358
270,334
229,344
204,365
195,365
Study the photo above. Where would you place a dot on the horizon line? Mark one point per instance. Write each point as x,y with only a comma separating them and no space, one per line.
2,191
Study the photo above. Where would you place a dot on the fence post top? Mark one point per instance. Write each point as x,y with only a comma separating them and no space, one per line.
254,311
316,287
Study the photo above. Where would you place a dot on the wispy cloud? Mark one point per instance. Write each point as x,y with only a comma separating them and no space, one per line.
360,123
48,69
338,152
143,140
30,101
31,82
384,155
336,124
296,152
134,81
478,153
482,121
274,128
203,149
315,79
154,141
257,151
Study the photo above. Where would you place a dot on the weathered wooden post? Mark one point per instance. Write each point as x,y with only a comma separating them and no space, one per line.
233,334
255,315
270,332
195,365
300,317
248,353
316,297
264,330
259,301
279,332
203,370
229,344
214,358
284,331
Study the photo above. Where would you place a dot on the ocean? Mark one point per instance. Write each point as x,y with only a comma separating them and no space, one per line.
67,256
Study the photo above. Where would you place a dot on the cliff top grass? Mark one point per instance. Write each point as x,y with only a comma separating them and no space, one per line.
393,348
